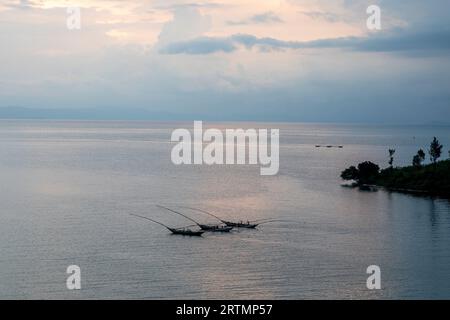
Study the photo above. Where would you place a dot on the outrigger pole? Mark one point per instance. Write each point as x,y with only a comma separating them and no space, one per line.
241,224
206,212
151,220
250,224
212,215
179,214
160,222
261,220
180,231
212,228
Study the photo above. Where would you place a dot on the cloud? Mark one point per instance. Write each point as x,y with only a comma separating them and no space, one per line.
405,41
430,41
187,23
266,17
427,42
207,45
201,45
192,5
327,16
19,5
114,61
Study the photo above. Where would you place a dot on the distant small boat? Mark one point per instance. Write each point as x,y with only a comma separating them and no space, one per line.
329,146
179,231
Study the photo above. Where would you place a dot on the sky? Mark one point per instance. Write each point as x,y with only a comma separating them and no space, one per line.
262,60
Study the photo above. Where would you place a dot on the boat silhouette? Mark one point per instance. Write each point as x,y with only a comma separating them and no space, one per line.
204,227
179,231
239,224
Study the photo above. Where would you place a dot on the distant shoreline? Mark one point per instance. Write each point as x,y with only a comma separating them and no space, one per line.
140,114
432,179
416,192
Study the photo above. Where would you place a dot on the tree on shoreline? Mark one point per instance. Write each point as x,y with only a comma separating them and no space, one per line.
419,158
391,157
435,150
366,173
420,178
350,173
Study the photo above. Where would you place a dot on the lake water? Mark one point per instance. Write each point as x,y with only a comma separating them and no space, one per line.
67,189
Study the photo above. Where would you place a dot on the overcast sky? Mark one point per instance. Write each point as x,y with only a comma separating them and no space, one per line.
292,60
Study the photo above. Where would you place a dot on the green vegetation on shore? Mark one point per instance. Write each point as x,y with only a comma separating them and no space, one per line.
433,178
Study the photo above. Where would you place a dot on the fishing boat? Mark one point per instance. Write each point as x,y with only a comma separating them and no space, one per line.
179,231
240,224
187,232
204,227
215,228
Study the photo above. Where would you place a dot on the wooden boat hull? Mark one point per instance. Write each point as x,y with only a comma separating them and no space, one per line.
189,233
216,228
241,225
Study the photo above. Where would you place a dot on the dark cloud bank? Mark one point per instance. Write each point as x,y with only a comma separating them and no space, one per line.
396,41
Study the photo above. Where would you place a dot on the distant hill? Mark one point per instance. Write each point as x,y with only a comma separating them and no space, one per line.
82,114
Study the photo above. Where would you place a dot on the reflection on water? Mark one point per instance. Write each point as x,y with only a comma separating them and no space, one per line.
67,189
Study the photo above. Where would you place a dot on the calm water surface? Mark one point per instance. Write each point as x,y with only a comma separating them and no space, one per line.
67,189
